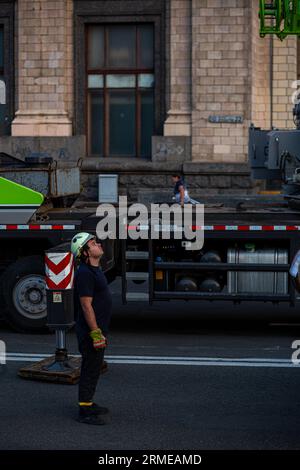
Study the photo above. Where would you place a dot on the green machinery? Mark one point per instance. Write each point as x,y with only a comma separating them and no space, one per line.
280,17
17,203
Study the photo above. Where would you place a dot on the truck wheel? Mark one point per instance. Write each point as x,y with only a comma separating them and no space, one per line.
24,294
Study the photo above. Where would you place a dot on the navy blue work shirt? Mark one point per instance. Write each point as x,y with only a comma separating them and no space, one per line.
90,281
177,186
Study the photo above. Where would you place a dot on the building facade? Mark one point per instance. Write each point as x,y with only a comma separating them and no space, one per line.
142,89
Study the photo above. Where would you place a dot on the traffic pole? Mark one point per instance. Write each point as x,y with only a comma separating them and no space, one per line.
59,270
59,277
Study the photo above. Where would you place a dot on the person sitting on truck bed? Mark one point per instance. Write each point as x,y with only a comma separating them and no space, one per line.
180,192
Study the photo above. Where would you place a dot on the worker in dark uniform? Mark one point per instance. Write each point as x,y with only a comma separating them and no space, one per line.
92,305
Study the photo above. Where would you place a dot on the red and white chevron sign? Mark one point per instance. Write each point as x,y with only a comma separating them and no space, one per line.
59,269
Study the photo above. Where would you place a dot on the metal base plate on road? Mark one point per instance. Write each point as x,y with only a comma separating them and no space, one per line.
49,370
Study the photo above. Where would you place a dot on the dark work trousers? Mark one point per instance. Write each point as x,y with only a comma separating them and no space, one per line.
90,369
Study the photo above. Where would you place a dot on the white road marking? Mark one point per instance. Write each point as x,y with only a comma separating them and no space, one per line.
170,360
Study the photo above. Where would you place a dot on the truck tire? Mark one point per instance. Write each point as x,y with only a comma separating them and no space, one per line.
24,294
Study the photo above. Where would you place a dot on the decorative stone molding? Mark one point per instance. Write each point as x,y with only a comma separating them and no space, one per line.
178,123
36,123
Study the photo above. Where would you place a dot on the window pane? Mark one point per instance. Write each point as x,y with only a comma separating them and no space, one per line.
96,47
121,46
146,80
146,46
96,123
4,125
122,123
95,81
147,122
1,48
2,120
2,91
120,81
2,107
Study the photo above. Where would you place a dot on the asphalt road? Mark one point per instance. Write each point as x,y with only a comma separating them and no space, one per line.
181,376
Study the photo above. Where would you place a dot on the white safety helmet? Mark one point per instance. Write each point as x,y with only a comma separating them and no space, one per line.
78,242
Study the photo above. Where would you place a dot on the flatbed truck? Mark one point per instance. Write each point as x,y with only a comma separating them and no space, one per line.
248,247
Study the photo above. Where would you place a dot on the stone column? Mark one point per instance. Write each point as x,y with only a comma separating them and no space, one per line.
45,68
220,79
284,75
178,122
259,69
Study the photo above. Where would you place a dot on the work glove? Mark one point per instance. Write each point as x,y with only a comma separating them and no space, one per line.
99,340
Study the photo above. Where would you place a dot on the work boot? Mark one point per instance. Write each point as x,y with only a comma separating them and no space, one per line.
99,410
87,415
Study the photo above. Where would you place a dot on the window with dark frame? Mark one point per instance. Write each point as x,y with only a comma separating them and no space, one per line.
2,84
1,50
120,89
